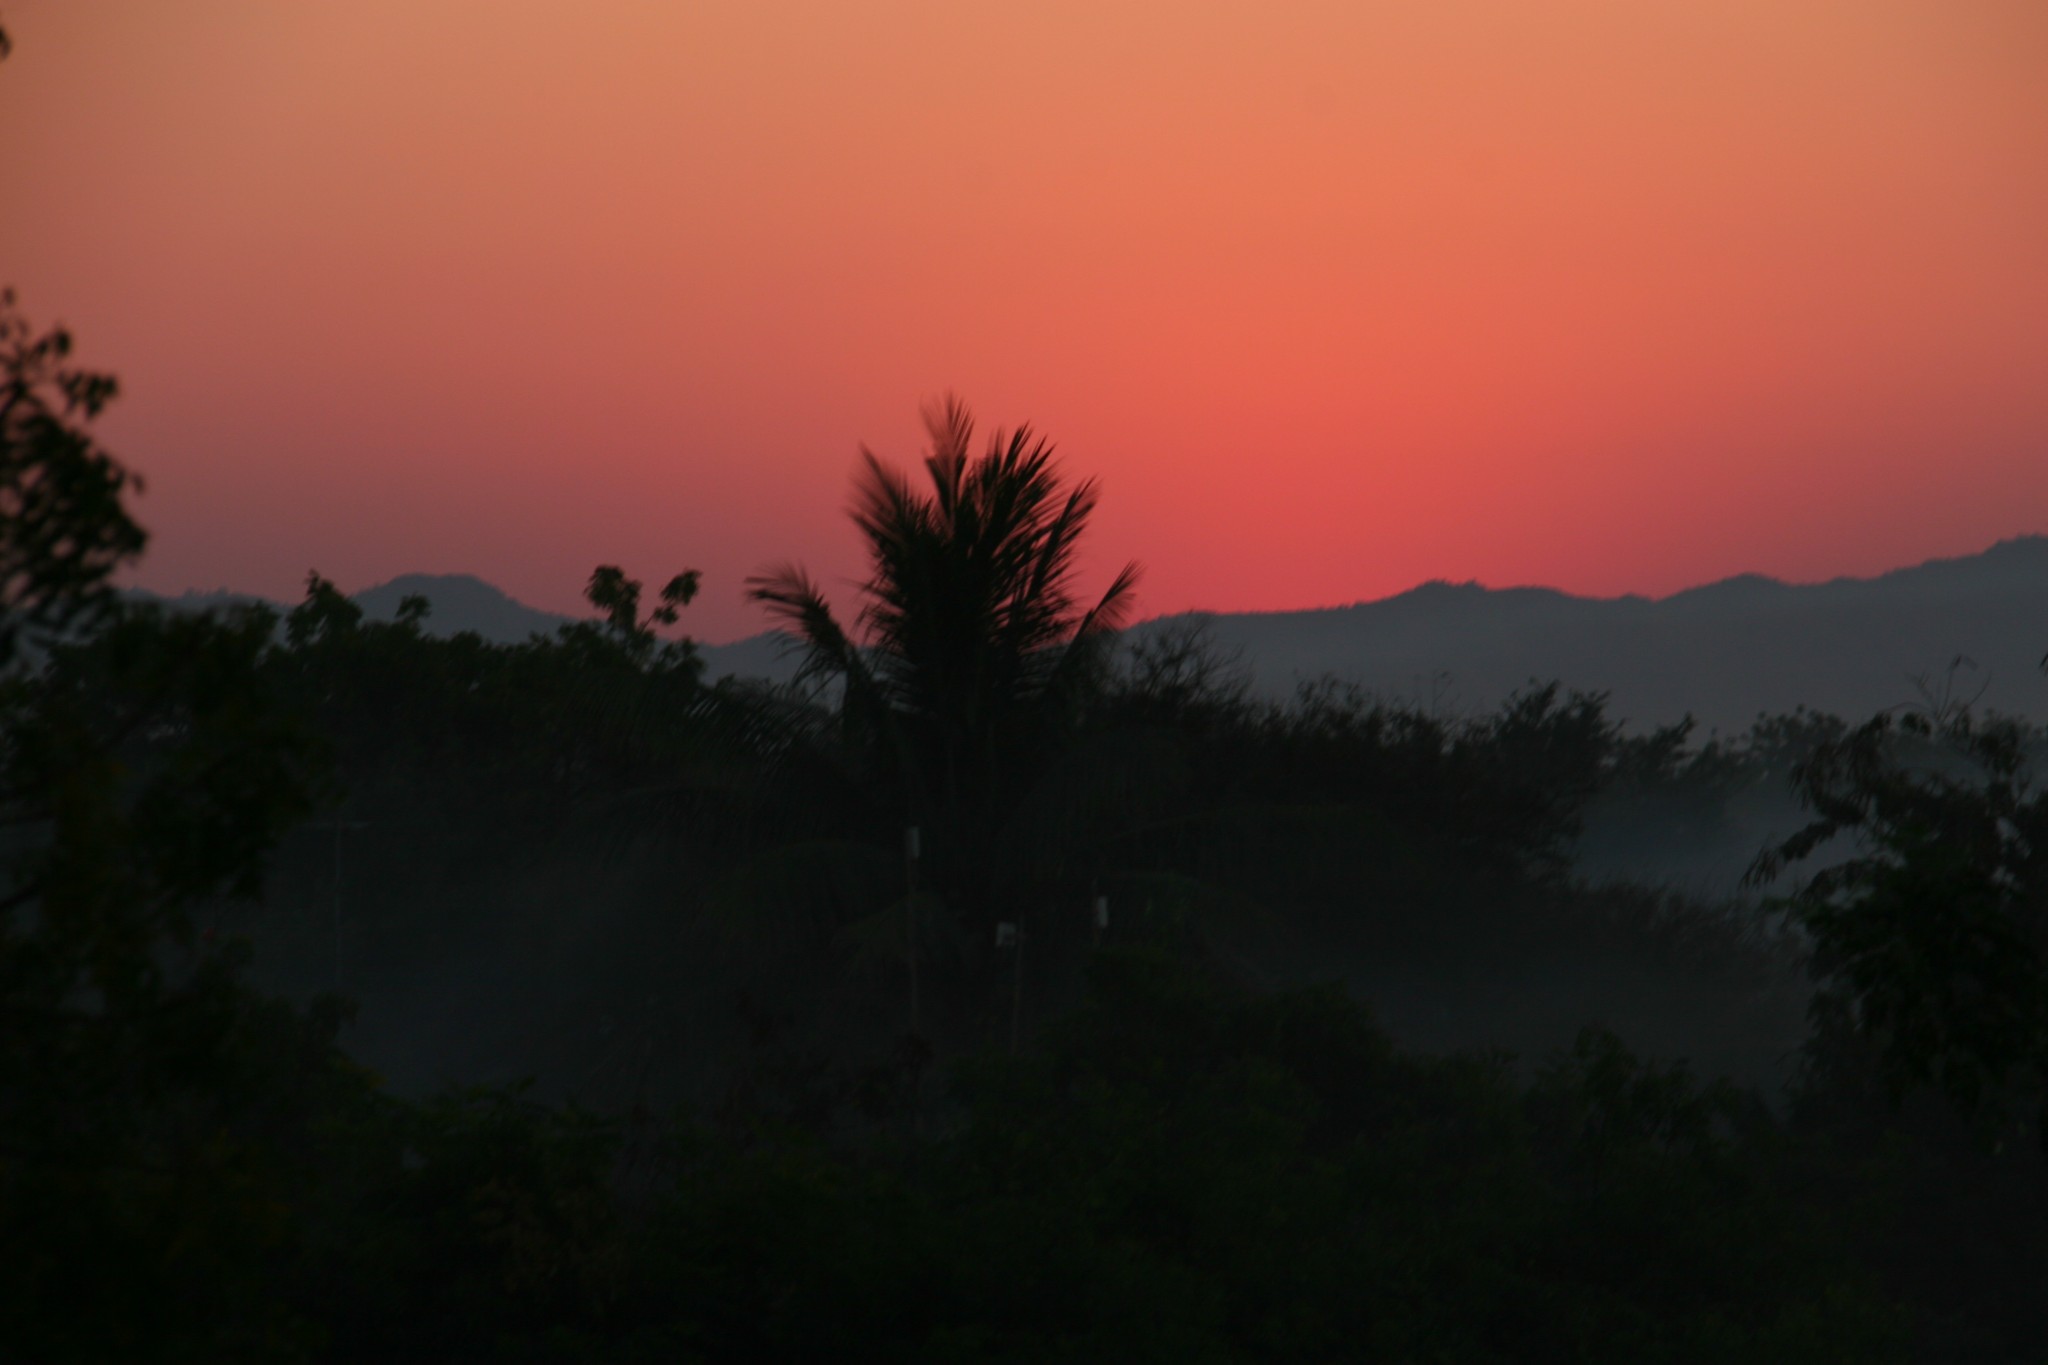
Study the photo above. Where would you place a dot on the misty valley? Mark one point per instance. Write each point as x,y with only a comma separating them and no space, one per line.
999,985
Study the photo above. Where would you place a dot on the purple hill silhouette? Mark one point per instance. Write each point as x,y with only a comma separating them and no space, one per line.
1974,627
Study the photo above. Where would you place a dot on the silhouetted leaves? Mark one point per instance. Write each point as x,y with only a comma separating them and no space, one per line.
1928,939
63,525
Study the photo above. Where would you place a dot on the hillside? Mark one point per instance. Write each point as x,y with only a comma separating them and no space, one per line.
1973,627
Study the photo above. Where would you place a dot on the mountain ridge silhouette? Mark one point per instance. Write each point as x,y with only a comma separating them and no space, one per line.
1969,626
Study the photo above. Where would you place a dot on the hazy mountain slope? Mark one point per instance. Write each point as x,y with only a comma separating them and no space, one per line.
1725,652
461,602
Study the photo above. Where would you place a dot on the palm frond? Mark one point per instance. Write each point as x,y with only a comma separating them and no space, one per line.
1071,660
951,428
969,608
791,595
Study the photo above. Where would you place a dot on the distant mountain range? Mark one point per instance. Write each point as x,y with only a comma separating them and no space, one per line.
1972,627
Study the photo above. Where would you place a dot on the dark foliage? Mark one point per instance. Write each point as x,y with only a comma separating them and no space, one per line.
1929,939
684,909
63,527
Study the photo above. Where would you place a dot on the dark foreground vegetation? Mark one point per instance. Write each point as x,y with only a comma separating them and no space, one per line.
686,1049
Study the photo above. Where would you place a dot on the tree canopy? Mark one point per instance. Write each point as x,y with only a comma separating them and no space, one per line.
971,621
64,524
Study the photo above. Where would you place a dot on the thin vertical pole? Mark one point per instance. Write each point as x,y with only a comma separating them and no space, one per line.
337,903
910,852
1017,987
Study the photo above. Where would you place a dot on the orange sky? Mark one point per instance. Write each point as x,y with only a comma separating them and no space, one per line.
1333,297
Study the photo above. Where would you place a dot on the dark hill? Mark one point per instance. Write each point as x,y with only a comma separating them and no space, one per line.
461,602
1969,627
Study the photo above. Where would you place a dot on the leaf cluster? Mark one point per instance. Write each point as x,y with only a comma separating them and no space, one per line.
63,524
1930,925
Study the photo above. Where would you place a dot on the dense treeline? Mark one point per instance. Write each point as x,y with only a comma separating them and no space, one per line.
1119,1058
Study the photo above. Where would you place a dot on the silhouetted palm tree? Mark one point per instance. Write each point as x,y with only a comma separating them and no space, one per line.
963,667
971,634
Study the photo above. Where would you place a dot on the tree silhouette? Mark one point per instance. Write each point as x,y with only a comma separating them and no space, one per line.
1930,942
965,664
972,629
64,527
618,597
147,767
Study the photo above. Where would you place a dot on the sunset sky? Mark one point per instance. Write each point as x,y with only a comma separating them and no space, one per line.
1615,296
